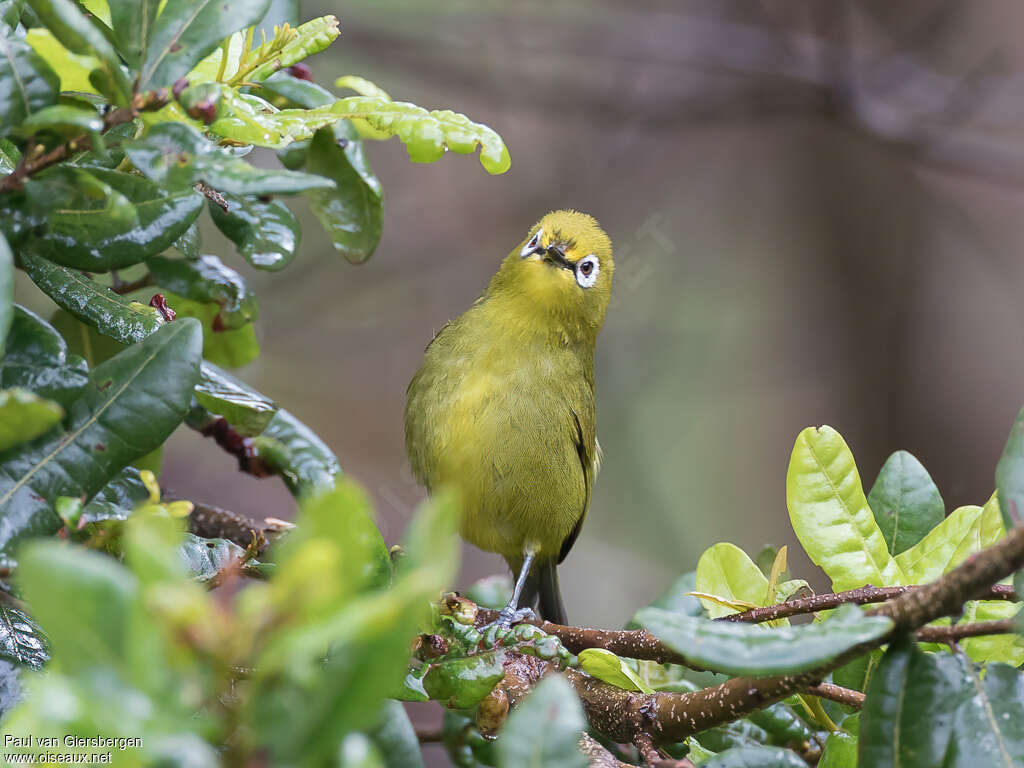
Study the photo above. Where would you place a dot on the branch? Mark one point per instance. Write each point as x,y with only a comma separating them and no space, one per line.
833,692
216,523
213,196
861,596
34,160
241,448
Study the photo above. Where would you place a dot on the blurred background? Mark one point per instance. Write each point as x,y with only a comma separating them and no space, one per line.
816,211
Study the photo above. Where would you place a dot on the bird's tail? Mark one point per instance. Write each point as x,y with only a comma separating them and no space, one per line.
551,606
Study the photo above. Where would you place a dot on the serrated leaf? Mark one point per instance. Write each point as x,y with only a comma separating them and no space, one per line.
25,416
110,314
831,516
246,410
606,666
209,281
303,460
265,232
27,84
746,649
21,639
905,502
36,359
131,405
187,31
725,570
310,38
71,27
230,347
177,156
544,730
103,219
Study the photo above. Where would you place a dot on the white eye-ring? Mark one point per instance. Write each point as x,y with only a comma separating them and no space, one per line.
531,245
587,270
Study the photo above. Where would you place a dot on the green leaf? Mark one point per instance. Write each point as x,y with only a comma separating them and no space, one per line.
187,31
71,68
37,360
544,730
395,738
939,710
117,499
6,291
206,558
606,666
230,347
304,461
726,571
461,683
71,27
25,416
103,219
207,280
362,86
246,410
110,314
966,531
66,119
905,502
841,746
747,649
1010,476
21,639
352,212
781,723
27,84
676,599
357,751
133,22
755,757
177,156
266,232
831,516
310,38
82,600
132,404
10,12
1008,649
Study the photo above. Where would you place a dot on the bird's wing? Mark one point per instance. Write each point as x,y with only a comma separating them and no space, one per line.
586,451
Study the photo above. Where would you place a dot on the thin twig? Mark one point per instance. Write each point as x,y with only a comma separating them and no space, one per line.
216,523
35,160
832,692
961,631
213,196
432,736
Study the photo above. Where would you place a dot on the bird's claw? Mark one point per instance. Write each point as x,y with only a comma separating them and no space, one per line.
509,616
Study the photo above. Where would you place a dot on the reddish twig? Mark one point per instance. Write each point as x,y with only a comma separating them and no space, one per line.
241,448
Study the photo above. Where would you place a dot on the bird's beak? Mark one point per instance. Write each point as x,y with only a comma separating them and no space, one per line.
555,255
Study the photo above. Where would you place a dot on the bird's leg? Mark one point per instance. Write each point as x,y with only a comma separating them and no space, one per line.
512,613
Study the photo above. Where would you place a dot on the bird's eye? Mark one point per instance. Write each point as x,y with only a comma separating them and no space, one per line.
587,270
531,245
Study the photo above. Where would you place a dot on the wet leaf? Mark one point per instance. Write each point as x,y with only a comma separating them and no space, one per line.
37,360
209,281
544,730
265,232
222,345
747,649
27,84
246,410
21,639
606,666
310,38
304,461
206,558
464,682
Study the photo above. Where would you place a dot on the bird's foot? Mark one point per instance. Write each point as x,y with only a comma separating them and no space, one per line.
509,616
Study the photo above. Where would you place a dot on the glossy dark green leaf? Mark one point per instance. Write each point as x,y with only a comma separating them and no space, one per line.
544,730
10,12
395,738
246,410
131,405
111,154
782,724
841,746
112,315
905,502
25,416
265,232
1010,476
84,340
940,709
461,683
6,291
27,84
177,156
206,558
750,649
79,35
64,119
133,22
103,219
207,280
116,499
18,218
81,600
187,30
304,461
755,757
352,212
230,347
21,639
37,360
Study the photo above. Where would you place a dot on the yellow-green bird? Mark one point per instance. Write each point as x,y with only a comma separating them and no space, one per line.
502,408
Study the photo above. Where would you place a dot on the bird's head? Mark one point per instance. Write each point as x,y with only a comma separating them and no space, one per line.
562,269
